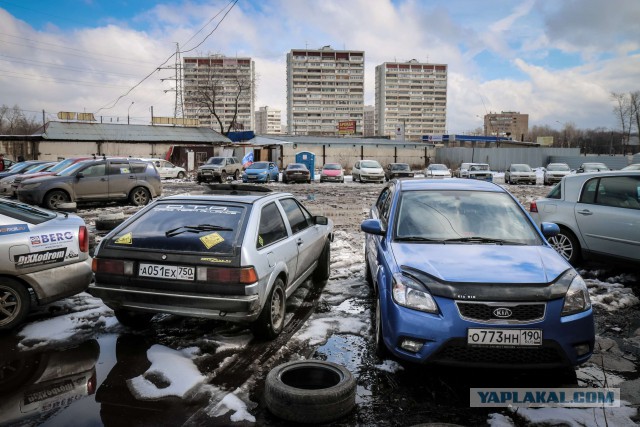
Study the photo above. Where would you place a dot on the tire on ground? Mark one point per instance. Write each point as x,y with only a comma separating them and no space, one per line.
106,222
310,391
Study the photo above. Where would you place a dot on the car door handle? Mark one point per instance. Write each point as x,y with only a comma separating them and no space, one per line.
299,242
585,212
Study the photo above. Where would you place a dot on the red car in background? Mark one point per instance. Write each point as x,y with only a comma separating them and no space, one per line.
62,165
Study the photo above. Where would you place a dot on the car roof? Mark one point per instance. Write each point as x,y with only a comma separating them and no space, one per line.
448,184
237,196
587,175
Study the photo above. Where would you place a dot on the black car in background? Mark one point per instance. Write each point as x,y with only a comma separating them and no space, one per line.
397,170
296,172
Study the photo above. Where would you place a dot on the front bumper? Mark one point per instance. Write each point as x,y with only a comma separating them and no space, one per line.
327,178
208,175
371,178
444,337
255,178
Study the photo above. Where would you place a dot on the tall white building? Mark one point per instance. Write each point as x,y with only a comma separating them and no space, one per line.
411,99
324,87
221,80
268,121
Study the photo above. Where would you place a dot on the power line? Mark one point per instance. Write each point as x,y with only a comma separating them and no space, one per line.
56,80
62,67
215,28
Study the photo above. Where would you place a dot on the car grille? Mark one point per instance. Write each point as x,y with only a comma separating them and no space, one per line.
489,312
457,352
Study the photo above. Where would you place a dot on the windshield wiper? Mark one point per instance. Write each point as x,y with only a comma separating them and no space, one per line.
417,239
480,239
195,229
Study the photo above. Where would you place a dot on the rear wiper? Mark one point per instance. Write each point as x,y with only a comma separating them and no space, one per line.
480,239
195,229
417,239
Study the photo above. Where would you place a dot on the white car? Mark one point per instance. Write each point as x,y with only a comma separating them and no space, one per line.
555,172
167,169
518,173
437,170
367,171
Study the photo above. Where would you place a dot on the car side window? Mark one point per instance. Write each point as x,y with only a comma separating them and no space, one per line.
589,191
119,168
619,192
383,204
139,167
94,170
272,226
298,217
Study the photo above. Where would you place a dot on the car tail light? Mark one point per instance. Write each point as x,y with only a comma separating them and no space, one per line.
242,276
533,207
91,384
112,266
83,239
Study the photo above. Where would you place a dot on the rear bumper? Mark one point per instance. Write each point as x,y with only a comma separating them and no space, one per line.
233,308
56,283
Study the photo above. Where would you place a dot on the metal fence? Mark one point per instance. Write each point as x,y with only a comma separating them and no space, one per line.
499,159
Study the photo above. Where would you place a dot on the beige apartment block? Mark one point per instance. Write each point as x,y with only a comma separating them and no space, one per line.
324,87
507,123
221,80
268,121
411,99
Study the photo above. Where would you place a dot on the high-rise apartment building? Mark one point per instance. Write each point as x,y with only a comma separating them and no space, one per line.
369,127
324,87
228,83
268,121
507,123
411,99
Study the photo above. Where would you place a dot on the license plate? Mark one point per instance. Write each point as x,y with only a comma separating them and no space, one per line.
174,272
505,337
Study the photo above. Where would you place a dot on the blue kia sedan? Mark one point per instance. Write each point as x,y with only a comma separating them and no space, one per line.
261,172
463,276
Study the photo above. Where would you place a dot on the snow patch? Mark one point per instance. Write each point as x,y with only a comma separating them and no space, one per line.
389,366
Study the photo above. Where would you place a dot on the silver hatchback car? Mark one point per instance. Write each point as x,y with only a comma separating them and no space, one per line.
598,214
45,258
234,256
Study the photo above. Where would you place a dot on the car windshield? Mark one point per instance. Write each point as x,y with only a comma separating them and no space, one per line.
71,170
215,161
479,168
520,168
595,167
187,227
558,168
296,166
440,216
438,167
332,166
400,167
259,165
370,164
39,168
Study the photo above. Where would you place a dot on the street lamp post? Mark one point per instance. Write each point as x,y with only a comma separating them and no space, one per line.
132,102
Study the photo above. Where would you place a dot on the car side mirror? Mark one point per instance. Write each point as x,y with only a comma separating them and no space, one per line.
580,170
321,220
549,229
373,226
79,175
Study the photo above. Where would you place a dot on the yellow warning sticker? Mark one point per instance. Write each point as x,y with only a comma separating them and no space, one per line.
210,240
126,239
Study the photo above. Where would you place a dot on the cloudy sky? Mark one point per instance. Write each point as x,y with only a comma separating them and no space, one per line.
558,61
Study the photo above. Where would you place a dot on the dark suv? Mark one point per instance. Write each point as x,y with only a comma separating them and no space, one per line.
219,169
106,179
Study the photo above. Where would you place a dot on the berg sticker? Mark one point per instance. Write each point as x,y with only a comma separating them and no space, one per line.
210,240
126,239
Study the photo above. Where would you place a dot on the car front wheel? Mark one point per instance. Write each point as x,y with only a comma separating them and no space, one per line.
236,175
15,303
323,269
567,245
55,198
381,349
271,320
223,177
181,175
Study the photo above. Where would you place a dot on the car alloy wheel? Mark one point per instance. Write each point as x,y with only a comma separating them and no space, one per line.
139,196
15,303
55,198
566,244
271,320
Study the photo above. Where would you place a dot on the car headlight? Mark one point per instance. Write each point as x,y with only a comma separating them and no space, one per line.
30,186
409,293
263,173
577,297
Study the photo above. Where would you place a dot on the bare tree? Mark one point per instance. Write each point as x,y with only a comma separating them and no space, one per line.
634,98
622,109
225,91
14,122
